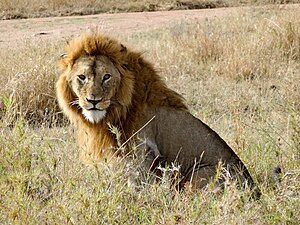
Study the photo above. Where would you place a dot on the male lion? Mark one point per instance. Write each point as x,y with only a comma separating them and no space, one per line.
104,84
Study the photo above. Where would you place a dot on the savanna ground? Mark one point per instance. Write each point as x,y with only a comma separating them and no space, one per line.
18,9
239,73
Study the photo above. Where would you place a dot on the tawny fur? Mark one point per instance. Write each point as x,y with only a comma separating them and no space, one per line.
140,86
136,95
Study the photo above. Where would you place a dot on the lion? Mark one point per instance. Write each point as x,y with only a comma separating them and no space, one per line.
105,84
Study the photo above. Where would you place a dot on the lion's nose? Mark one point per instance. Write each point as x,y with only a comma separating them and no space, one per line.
94,102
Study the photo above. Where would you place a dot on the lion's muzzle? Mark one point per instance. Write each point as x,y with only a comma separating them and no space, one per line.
94,110
94,102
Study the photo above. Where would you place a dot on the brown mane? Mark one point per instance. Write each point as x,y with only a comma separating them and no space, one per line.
140,87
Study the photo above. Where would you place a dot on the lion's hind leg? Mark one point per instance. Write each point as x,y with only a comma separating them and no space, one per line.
198,178
216,175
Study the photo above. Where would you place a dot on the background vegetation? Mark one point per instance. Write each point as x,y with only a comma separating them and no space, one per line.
17,9
239,74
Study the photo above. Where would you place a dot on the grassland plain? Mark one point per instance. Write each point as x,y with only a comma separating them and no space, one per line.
43,8
238,74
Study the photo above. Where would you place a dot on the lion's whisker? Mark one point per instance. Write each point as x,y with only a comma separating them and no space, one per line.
75,102
114,102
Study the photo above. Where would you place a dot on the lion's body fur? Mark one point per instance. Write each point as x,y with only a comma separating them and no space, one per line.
174,135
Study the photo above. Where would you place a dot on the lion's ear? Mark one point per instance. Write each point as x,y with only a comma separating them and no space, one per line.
123,52
123,49
62,56
62,63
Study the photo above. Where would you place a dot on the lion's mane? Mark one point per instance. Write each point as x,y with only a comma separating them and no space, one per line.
140,87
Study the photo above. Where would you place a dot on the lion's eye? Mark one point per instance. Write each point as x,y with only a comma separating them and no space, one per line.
81,77
106,77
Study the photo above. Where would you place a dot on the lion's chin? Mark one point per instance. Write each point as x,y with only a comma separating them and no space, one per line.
93,116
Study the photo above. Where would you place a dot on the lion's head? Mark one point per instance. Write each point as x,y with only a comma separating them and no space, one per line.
95,82
94,79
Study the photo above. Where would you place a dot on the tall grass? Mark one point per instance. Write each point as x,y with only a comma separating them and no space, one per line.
27,84
238,74
42,182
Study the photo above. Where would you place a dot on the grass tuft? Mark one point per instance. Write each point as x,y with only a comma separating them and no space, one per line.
29,75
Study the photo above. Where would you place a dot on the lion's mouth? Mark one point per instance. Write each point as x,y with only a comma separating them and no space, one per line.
95,109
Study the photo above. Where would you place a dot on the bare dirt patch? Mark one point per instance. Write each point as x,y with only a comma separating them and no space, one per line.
15,32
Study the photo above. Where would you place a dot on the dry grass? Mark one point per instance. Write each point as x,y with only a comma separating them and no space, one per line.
35,101
41,8
240,75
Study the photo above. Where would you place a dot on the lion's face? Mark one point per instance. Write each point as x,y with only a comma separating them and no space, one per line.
94,80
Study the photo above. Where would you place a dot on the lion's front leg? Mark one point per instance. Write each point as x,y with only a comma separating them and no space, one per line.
144,160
